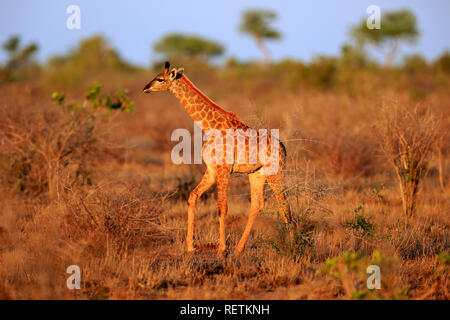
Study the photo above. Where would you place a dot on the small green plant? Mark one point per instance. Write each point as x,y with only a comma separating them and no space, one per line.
360,224
350,271
377,193
444,258
293,239
58,97
395,230
96,99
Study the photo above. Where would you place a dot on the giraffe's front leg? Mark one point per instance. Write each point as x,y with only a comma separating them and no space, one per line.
207,181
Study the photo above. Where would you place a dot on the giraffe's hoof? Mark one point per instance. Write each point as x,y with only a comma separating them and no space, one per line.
220,253
191,250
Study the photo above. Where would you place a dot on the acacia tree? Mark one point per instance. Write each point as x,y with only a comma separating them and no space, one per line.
18,56
256,23
396,27
91,58
178,45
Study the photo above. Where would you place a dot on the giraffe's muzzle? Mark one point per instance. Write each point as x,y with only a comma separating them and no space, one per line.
147,89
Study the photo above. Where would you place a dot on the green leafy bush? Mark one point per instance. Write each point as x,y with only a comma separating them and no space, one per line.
293,240
360,224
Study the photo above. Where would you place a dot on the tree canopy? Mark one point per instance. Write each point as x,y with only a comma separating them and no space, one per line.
95,53
18,56
92,56
256,23
396,26
188,46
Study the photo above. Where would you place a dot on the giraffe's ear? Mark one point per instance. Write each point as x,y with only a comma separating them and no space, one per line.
166,66
175,74
180,71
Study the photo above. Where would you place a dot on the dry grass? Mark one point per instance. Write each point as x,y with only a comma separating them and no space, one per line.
126,227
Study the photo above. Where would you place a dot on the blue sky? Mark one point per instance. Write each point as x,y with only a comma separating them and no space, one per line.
308,27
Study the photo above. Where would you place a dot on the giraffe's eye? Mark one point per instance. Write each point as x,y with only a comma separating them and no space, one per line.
160,80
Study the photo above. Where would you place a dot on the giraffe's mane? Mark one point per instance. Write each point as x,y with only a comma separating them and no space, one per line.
208,100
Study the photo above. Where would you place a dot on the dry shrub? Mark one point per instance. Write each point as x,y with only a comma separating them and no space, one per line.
407,137
48,147
126,217
349,154
32,266
427,236
443,149
334,130
98,230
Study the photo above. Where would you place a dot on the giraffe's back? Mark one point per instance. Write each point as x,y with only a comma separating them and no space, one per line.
246,150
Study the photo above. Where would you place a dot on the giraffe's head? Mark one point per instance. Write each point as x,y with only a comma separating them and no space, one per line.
164,80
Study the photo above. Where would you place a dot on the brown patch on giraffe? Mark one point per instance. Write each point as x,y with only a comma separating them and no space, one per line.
198,107
197,93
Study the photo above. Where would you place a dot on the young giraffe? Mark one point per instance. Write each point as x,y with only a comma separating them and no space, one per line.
203,109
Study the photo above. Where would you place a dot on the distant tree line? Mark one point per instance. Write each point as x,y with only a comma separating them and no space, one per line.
94,56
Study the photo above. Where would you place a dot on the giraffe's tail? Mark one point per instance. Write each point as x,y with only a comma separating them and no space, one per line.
283,149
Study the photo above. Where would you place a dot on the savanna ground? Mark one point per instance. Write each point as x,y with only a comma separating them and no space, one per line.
94,188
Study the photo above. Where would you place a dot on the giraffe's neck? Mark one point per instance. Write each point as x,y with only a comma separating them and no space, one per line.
201,108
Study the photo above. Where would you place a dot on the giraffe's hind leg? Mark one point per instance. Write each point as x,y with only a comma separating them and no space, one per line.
276,183
223,175
257,181
207,181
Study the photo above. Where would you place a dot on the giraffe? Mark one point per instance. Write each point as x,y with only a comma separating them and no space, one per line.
212,117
